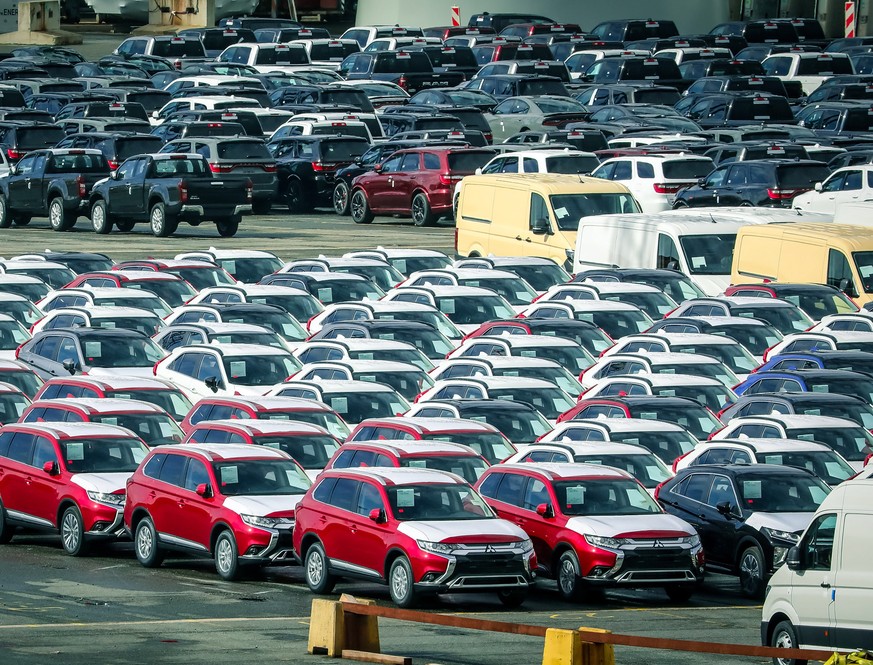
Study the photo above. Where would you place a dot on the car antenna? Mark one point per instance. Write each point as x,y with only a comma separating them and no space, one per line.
712,218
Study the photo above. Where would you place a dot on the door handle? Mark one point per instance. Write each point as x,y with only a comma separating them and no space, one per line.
152,495
825,585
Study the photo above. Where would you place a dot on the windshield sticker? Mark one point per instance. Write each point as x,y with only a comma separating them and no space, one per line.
229,475
751,489
575,495
405,498
340,404
75,452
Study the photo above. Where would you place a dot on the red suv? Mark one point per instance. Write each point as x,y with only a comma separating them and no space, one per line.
173,290
481,437
311,446
66,477
231,503
452,457
199,274
148,421
157,391
418,182
417,530
266,408
595,526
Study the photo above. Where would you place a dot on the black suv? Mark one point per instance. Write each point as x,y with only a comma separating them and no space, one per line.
18,139
615,69
830,118
741,108
631,30
759,32
748,516
766,182
769,84
742,151
697,69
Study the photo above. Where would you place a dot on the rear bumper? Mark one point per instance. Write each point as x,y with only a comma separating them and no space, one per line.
196,210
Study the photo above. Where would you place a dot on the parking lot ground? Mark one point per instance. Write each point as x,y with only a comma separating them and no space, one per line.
107,608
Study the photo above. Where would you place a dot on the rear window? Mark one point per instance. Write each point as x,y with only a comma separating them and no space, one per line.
800,176
215,129
770,85
39,137
468,162
172,167
451,57
218,40
770,33
345,97
360,131
243,150
151,101
342,151
858,120
667,97
650,68
176,48
691,169
85,163
336,52
541,87
286,56
824,66
110,110
402,62
765,108
571,164
129,147
549,69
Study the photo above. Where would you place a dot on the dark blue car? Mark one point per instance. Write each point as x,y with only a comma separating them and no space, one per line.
854,361
809,380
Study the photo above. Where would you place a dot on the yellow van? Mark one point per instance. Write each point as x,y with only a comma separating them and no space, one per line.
535,214
837,254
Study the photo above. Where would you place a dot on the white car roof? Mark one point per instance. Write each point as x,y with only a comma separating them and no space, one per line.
331,386
77,430
228,451
268,427
417,447
764,446
104,405
558,471
405,475
797,421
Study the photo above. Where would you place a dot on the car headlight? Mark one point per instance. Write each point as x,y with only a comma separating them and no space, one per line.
267,522
526,546
600,541
776,534
694,541
103,497
436,548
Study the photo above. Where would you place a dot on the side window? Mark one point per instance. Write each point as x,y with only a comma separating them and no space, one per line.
530,165
722,491
535,494
345,494
696,487
431,161
369,498
716,178
511,490
622,171
195,475
44,451
21,447
539,210
410,162
818,545
153,467
839,273
173,470
323,491
668,254
853,181
488,486
645,170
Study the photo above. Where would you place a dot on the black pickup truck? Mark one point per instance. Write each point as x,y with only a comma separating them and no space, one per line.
411,70
164,190
54,183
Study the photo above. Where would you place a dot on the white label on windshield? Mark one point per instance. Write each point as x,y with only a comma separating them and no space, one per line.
230,266
698,262
458,471
92,350
481,419
237,368
417,464
575,495
835,470
400,264
340,404
752,489
109,420
773,459
560,213
528,353
273,444
229,475
75,452
324,294
648,416
865,271
260,301
820,388
405,498
667,392
447,306
107,324
805,437
139,455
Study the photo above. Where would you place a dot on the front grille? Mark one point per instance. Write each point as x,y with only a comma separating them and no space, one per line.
491,564
657,559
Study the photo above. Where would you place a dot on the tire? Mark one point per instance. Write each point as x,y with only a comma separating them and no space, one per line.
680,593
341,196
125,225
568,577
5,217
422,215
360,209
60,219
161,224
100,220
145,544
72,532
227,227
785,637
6,529
752,572
401,583
316,570
226,557
261,206
513,597
295,197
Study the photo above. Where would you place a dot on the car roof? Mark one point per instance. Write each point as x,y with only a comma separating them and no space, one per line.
218,452
94,405
416,448
426,425
392,476
763,446
556,471
78,430
799,421
267,427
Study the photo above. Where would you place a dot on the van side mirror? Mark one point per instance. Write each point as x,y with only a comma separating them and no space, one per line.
51,468
817,186
792,559
545,510
378,516
848,287
540,227
204,490
212,383
70,365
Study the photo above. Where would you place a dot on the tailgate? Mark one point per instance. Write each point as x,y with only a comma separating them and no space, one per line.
216,191
436,80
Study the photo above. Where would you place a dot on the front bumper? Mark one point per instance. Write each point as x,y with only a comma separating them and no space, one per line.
643,566
479,569
106,522
267,546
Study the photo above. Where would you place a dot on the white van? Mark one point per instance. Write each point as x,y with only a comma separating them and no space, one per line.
822,597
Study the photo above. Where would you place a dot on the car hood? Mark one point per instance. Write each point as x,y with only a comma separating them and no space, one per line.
659,525
805,199
264,506
793,522
463,531
147,372
107,483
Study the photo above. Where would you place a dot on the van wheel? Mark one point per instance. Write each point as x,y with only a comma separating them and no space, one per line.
361,213
421,212
6,529
785,637
752,572
100,220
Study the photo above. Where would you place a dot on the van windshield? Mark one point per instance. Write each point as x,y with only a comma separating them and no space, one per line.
570,208
709,254
864,263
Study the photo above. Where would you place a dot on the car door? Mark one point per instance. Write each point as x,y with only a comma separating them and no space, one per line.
120,199
735,186
403,181
44,488
168,502
379,185
42,357
17,449
335,527
688,500
21,183
823,601
33,199
199,513
370,535
708,193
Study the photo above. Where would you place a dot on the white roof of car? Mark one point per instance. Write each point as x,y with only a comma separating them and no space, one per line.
437,424
798,421
664,380
694,338
269,427
405,475
77,430
228,451
597,448
228,254
556,471
106,312
418,448
764,446
338,386
103,405
656,358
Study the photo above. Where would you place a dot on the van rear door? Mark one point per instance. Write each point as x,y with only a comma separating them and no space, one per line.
853,585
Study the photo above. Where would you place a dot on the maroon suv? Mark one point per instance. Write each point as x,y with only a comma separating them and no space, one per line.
417,182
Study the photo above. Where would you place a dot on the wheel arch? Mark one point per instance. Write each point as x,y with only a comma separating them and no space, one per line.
393,554
62,508
217,530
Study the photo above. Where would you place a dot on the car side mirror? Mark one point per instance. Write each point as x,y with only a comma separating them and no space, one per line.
13,170
540,227
701,182
204,490
212,383
479,171
377,168
70,365
377,515
545,510
817,186
792,559
358,161
724,508
51,468
156,114
114,175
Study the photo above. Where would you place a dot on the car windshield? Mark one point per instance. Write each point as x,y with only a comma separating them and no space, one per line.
824,66
468,467
436,320
173,292
515,290
560,376
547,105
826,464
785,319
326,419
23,311
155,304
492,446
54,277
551,402
154,428
177,47
648,469
617,323
468,161
111,351
781,494
656,305
74,162
517,425
386,277
604,497
432,503
571,165
310,451
33,292
260,478
709,254
467,310
756,339
170,400
407,383
12,335
818,306
282,323
12,406
355,407
864,264
27,382
411,356
301,306
700,422
734,356
250,270
264,338
259,370
541,276
860,413
201,278
147,325
667,446
570,208
345,290
857,386
853,443
798,176
575,358
432,343
103,455
715,398
715,371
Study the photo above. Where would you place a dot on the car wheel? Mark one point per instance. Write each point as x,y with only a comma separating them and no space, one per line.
125,225
401,584
227,227
295,197
569,579
317,570
5,218
679,593
678,205
6,529
341,198
785,637
512,597
421,212
261,206
72,532
360,209
161,224
746,204
60,219
752,572
100,221
226,556
145,544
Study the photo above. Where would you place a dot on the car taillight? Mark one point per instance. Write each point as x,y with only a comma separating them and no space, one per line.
403,82
321,167
679,459
183,191
220,168
250,190
270,168
782,194
665,188
113,164
12,153
448,178
767,353
83,189
712,436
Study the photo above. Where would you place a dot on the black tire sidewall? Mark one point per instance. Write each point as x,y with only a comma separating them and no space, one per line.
326,583
409,599
233,571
